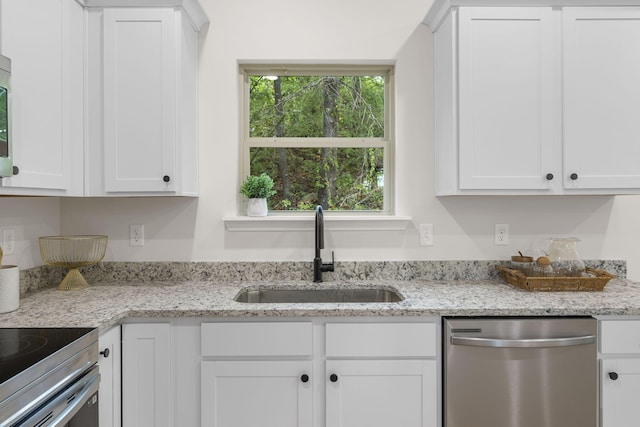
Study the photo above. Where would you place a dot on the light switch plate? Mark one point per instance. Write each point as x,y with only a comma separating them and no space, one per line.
426,234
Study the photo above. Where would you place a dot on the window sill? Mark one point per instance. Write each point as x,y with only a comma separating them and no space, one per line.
306,223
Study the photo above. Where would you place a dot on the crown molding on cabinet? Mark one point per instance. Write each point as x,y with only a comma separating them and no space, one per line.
192,8
440,8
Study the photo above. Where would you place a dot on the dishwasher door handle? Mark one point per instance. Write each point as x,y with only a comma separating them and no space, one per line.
523,343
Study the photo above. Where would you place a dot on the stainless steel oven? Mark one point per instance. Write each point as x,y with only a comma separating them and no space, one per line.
49,377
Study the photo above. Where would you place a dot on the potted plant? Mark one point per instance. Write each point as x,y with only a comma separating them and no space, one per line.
257,189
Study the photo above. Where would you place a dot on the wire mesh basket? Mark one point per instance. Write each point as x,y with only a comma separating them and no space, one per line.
72,252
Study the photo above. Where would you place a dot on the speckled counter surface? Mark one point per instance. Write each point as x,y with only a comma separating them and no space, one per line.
107,303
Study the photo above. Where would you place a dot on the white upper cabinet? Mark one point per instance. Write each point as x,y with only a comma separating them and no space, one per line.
142,124
104,96
601,93
139,100
44,39
507,79
536,99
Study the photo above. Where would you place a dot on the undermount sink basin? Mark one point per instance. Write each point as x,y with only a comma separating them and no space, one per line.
333,295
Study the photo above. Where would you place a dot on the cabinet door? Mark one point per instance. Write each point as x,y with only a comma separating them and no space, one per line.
382,393
257,393
146,375
619,396
110,378
44,39
601,92
508,86
139,100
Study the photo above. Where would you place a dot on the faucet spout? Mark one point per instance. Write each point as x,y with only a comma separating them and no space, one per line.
319,230
318,265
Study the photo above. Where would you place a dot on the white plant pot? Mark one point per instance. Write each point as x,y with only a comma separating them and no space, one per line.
257,207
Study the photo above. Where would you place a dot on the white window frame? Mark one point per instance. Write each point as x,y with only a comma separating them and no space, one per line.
387,142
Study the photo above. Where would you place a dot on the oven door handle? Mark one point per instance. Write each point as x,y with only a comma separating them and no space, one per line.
83,394
68,403
523,343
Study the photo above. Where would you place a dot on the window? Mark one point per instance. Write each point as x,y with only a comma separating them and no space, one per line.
324,134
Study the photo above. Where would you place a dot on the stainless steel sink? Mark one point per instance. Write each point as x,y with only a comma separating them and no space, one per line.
331,295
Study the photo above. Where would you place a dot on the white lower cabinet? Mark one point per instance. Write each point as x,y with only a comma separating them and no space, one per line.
294,373
318,373
257,393
146,375
619,373
620,382
381,393
269,380
381,374
109,362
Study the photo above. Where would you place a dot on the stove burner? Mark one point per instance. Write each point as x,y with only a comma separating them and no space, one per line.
21,348
20,345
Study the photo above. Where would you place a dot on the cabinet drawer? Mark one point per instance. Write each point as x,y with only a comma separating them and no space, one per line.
257,339
381,340
620,336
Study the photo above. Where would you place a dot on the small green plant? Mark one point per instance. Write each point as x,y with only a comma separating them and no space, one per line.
257,187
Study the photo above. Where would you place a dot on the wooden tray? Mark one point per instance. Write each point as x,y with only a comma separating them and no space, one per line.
595,282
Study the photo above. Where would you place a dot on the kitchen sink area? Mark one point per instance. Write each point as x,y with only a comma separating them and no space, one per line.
318,296
268,327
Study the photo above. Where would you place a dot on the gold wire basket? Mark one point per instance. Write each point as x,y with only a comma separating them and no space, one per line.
72,252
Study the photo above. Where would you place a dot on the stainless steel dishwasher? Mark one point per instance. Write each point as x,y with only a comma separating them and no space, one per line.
520,372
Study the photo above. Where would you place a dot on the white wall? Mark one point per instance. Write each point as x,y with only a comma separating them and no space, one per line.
30,218
186,229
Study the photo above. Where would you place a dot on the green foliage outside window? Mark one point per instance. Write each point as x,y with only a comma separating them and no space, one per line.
303,110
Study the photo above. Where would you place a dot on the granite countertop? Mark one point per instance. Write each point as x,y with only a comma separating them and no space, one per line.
105,304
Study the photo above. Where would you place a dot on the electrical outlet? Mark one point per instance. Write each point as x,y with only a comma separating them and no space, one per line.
426,234
8,241
136,235
501,236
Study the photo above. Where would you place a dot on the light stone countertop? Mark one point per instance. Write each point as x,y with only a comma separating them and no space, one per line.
106,304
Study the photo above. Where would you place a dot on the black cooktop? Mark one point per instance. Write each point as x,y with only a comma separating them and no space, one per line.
21,348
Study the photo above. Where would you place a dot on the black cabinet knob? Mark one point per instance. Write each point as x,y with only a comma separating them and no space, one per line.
549,176
613,375
16,170
166,178
105,352
333,378
304,378
573,176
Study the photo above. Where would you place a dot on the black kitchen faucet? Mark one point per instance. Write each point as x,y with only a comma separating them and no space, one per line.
318,266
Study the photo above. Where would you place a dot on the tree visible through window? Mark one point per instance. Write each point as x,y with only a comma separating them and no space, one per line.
322,136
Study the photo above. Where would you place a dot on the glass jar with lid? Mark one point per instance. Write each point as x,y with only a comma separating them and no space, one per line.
564,257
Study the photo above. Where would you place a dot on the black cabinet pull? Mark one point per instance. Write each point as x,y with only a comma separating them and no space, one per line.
304,378
166,178
333,378
105,352
613,375
573,176
549,176
16,170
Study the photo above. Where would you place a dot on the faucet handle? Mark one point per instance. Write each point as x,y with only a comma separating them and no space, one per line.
329,266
